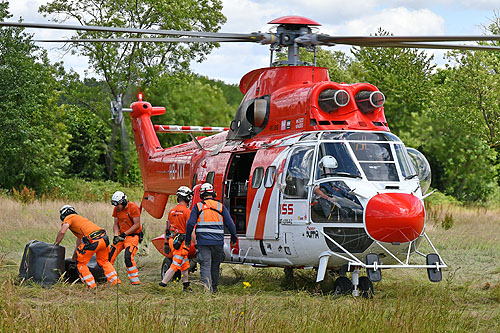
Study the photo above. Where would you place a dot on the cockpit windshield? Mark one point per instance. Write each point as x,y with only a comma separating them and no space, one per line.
376,160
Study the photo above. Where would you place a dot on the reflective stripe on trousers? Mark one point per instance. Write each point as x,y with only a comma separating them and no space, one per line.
133,274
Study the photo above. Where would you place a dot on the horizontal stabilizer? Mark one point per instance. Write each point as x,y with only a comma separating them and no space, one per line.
188,129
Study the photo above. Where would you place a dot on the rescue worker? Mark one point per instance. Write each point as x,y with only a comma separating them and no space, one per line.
90,239
127,230
210,217
175,234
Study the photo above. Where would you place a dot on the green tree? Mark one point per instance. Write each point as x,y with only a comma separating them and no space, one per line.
188,101
460,131
340,66
231,92
33,139
86,149
125,65
89,97
404,76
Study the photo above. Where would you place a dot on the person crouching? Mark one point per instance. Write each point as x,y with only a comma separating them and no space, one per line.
90,239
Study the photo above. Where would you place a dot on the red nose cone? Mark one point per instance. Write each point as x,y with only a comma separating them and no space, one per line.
394,217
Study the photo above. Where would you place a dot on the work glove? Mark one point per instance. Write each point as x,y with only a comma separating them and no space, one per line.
234,241
116,240
166,247
122,236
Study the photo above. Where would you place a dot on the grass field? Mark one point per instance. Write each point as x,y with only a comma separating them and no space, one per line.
468,298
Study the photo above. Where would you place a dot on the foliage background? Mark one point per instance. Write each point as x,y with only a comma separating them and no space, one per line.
57,128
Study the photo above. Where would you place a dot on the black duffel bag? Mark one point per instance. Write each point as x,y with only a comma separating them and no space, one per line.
42,262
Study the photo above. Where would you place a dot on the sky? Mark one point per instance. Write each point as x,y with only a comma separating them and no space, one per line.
337,17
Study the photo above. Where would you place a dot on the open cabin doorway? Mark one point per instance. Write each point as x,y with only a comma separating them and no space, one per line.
236,187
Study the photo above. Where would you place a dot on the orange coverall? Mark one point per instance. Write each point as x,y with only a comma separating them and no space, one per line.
81,227
177,218
125,221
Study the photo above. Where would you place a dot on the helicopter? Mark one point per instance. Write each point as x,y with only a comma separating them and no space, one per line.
308,168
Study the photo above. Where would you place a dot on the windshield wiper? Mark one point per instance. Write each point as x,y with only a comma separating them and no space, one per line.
344,174
410,177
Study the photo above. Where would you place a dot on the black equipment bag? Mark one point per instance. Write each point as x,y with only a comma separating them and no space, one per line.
42,262
96,270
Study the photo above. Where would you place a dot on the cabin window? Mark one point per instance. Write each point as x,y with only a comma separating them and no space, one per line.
210,177
333,201
376,160
298,173
345,166
270,176
257,177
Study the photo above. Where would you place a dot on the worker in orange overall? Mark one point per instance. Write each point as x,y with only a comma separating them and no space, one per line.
90,239
127,229
175,234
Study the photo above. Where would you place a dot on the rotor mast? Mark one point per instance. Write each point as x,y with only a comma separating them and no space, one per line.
293,32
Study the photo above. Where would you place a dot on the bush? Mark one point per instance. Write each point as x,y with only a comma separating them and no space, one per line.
76,189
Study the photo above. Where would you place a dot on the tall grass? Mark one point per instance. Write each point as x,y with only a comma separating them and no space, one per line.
468,298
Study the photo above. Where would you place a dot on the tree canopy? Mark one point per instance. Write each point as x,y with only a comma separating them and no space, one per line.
58,125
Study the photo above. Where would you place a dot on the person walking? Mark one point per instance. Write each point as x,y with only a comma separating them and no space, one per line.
127,230
175,234
209,216
90,239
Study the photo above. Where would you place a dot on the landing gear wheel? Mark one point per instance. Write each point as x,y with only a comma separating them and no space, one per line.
165,266
365,287
342,286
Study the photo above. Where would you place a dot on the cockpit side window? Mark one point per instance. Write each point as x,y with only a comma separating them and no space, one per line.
298,173
405,165
345,166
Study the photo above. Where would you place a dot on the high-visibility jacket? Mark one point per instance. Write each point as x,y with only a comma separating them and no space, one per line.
210,223
210,217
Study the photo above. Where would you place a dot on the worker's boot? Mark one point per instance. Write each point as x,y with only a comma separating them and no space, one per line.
186,287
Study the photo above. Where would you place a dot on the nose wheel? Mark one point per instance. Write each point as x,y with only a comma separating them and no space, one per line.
359,286
365,287
342,286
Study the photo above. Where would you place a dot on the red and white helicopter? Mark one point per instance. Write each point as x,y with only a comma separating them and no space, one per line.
308,168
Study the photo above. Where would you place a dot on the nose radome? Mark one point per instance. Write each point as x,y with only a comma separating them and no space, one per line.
394,217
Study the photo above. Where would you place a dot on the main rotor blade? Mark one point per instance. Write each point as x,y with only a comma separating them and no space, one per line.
436,46
141,40
384,40
243,37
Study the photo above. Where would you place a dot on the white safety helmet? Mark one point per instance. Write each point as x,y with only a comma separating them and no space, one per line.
206,190
119,198
65,211
184,193
328,162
